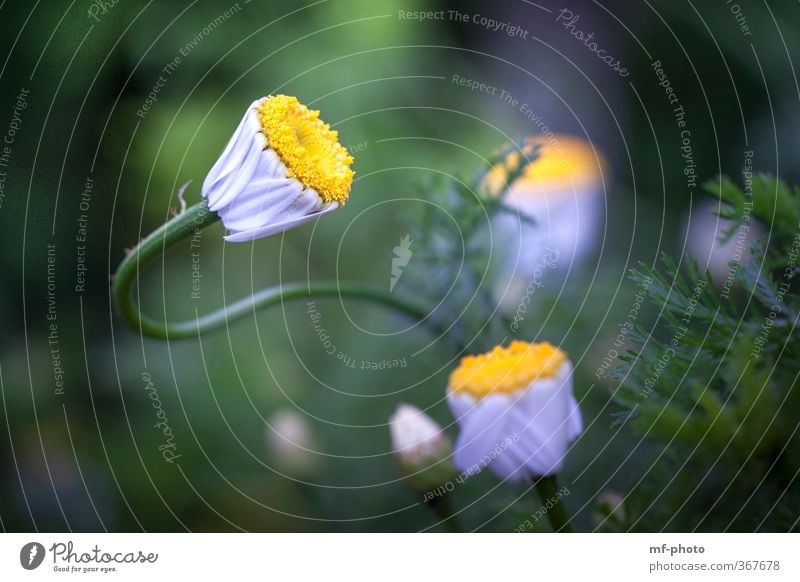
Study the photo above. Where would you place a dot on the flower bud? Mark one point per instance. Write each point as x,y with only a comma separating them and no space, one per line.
421,448
291,443
608,512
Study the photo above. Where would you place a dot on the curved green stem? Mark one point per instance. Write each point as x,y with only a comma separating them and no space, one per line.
188,223
548,492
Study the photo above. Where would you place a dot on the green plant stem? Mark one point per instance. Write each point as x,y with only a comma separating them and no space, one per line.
182,227
443,509
547,487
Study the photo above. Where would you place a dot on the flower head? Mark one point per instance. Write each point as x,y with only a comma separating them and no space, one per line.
516,410
421,447
547,168
559,196
283,167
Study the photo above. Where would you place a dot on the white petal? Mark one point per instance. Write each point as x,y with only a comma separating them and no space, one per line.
461,404
546,419
485,438
227,188
235,151
274,198
575,421
280,226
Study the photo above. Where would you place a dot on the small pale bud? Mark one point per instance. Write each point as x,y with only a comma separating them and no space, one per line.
608,512
421,448
291,443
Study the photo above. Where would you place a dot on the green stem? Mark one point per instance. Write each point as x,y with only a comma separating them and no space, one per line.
547,487
185,225
443,509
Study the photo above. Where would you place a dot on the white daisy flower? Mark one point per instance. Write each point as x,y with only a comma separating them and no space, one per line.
516,411
282,168
562,190
421,447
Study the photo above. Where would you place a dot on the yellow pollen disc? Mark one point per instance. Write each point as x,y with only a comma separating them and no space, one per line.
506,370
308,147
564,162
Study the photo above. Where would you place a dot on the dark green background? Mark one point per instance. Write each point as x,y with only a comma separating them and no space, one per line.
89,459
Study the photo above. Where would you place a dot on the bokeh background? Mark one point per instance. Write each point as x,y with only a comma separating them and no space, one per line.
86,456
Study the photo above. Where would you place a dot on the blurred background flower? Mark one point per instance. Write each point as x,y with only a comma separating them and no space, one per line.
557,220
291,444
110,111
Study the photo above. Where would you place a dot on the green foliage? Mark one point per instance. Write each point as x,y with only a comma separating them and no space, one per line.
454,251
714,380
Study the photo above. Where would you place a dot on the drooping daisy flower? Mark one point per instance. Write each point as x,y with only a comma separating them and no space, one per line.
282,168
516,410
562,190
421,447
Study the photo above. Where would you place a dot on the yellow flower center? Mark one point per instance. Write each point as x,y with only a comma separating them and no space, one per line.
308,147
506,370
563,163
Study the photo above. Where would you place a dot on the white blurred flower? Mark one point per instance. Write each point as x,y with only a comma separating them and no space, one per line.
563,191
703,231
291,443
421,447
516,411
282,168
